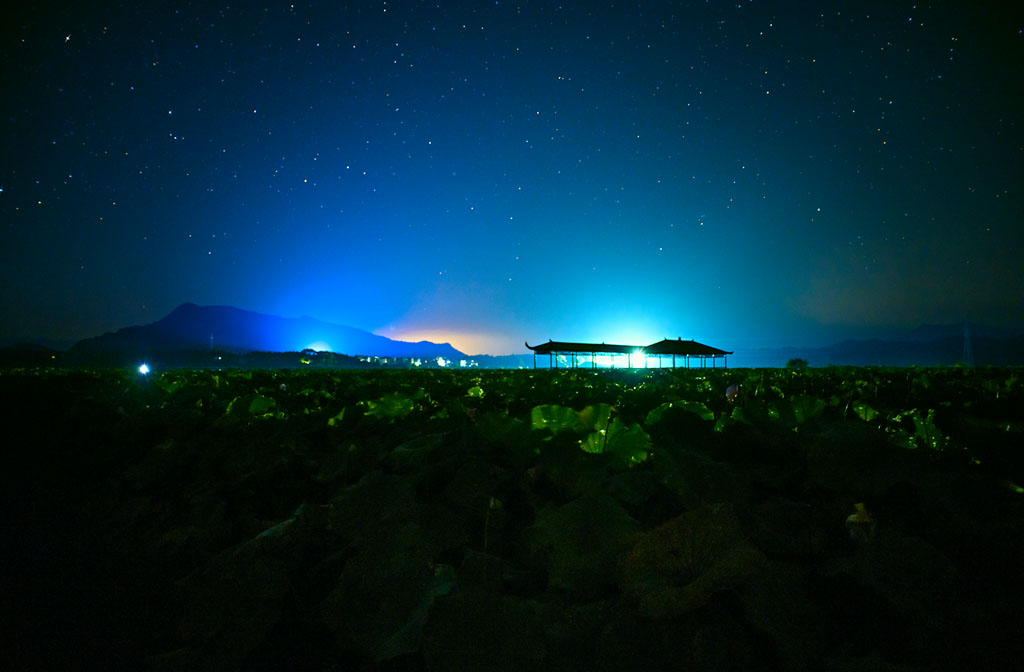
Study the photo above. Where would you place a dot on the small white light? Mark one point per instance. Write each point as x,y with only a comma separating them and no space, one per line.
144,369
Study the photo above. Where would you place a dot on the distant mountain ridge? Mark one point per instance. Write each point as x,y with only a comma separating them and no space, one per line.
192,327
927,345
937,332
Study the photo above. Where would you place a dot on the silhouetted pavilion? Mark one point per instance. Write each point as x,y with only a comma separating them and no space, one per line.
677,349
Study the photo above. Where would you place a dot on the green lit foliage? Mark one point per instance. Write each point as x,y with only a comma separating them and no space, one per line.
864,411
394,406
697,408
807,518
631,443
604,435
253,406
556,418
796,410
927,434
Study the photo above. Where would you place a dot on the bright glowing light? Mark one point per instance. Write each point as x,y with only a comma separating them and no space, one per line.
441,361
469,342
638,359
626,326
144,369
319,346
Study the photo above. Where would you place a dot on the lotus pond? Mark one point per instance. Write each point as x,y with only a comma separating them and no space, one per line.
814,519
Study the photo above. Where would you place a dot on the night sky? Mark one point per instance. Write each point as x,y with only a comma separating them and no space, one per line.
744,173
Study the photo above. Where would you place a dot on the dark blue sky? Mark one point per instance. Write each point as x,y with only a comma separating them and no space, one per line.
746,173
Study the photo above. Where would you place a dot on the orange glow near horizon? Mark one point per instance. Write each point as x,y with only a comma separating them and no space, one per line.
471,343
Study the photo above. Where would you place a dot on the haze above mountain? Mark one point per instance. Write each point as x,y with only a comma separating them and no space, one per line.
192,327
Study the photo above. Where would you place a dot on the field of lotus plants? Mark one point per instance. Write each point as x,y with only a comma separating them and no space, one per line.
773,519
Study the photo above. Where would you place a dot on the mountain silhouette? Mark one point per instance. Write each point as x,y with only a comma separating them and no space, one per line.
928,345
192,327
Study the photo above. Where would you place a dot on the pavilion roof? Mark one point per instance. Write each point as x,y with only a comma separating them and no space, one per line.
662,347
681,347
565,346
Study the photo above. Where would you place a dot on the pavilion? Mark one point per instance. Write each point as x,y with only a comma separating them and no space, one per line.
682,353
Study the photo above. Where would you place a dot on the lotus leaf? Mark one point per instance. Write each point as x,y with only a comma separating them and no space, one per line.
864,412
911,573
630,444
676,567
795,411
594,418
393,406
383,596
415,453
696,407
553,417
256,405
581,542
561,418
926,433
336,419
382,601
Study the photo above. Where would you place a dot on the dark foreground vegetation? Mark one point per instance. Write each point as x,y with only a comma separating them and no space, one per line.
811,519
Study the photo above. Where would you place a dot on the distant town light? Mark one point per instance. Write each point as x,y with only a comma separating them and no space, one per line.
144,369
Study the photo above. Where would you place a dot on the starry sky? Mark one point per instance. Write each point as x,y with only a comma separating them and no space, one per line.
745,173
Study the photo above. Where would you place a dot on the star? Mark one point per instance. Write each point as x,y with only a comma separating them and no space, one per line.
67,38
